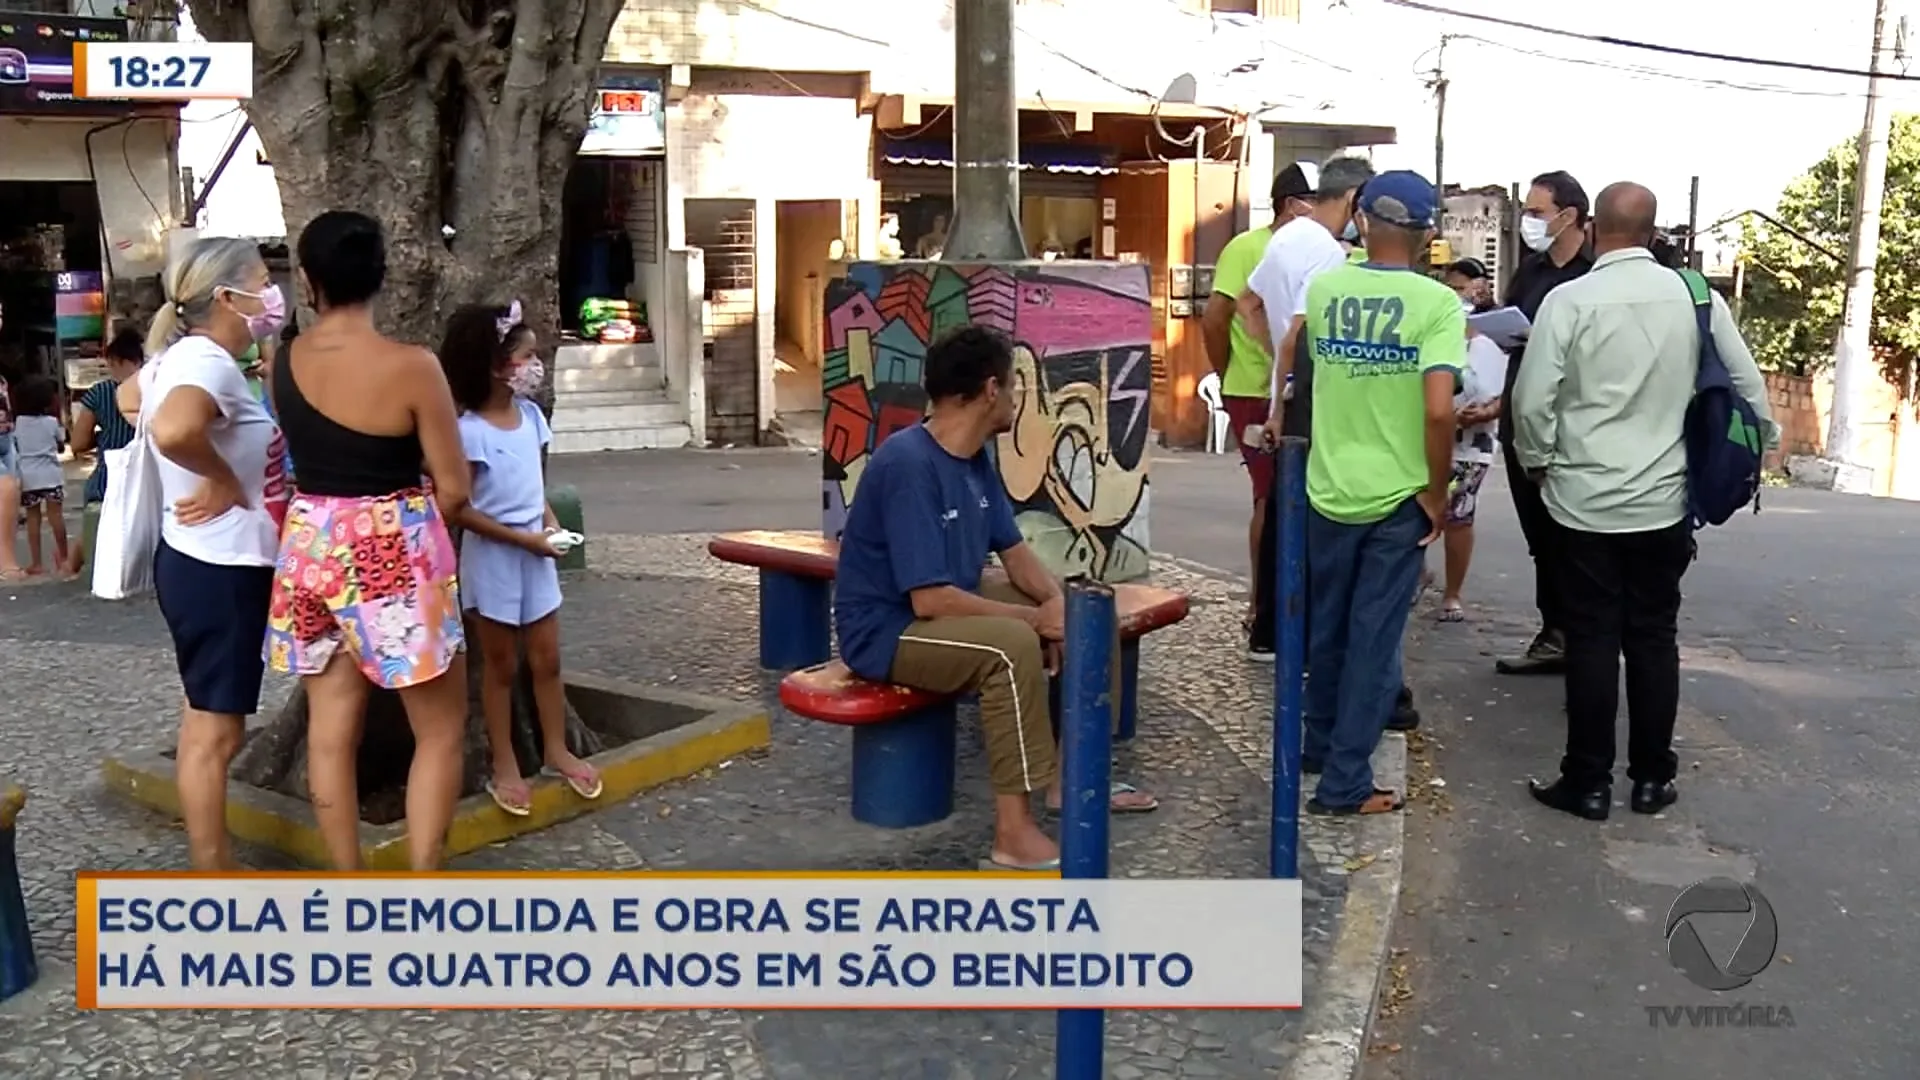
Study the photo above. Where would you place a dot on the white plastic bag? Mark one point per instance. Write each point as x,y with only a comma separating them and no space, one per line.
128,533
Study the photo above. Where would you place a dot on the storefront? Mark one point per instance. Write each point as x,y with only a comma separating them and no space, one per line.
1098,181
771,179
1059,195
611,381
86,197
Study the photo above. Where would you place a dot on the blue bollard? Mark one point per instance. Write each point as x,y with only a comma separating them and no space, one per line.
1289,672
796,621
1086,783
17,967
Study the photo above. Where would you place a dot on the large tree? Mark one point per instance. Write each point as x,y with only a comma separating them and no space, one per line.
455,123
431,115
1791,312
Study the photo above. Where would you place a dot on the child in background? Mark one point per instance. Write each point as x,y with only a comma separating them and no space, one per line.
98,426
509,579
1476,446
38,438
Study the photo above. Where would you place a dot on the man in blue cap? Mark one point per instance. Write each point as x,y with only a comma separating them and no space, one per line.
1387,344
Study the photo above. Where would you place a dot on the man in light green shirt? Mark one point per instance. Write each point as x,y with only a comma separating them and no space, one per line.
1244,364
1386,345
1599,420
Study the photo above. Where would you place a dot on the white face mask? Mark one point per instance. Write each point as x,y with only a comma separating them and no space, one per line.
1534,234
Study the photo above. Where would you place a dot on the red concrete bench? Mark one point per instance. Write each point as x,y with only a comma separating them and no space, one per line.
904,739
796,592
797,570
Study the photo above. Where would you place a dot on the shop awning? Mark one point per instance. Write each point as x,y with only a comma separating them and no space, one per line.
1055,158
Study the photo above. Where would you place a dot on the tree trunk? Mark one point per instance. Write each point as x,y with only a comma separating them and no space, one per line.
430,115
455,123
275,756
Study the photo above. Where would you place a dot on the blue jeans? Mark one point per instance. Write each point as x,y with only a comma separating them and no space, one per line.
1364,577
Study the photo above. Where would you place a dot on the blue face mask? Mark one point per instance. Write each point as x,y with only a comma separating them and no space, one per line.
1351,234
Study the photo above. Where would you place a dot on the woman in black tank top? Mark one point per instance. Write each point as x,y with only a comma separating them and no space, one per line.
365,589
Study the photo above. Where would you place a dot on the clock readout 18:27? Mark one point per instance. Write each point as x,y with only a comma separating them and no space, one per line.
170,73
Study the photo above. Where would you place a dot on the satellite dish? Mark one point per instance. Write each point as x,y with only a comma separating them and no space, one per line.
1183,90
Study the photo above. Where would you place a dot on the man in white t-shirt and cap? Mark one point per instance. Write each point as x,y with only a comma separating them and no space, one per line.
1301,249
1273,306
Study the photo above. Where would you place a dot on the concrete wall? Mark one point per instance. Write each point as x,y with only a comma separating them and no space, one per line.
1803,407
1075,464
767,34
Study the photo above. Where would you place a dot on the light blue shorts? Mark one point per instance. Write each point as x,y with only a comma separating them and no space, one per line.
9,461
505,584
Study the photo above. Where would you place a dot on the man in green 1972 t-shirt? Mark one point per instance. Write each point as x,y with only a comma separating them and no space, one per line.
1386,343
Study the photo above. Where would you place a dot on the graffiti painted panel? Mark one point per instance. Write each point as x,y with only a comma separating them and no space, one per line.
1075,463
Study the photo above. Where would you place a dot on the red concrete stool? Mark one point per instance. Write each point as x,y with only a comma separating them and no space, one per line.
903,742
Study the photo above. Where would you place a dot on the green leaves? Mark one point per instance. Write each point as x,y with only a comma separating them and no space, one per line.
1791,310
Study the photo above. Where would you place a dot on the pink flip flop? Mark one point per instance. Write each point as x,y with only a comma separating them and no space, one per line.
585,784
521,808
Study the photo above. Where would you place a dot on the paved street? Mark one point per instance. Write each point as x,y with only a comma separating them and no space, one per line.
1533,942
84,679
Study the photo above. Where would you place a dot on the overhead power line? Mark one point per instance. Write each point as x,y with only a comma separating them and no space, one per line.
1640,73
1671,50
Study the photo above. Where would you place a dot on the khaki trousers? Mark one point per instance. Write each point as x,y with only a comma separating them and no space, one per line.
1002,661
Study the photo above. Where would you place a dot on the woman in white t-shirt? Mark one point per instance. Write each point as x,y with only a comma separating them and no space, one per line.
1476,445
222,480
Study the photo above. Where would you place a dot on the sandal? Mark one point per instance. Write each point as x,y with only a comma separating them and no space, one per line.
993,864
1451,613
1381,801
1147,804
520,807
585,782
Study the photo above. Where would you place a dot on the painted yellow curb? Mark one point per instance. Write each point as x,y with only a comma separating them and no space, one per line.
286,825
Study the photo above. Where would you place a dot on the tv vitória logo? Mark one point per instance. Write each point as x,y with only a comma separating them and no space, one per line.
1721,896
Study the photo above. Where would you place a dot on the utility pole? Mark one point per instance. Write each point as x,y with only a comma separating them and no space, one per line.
1853,351
986,136
1693,224
1439,87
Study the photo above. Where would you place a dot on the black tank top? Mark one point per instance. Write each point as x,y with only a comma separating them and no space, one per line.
333,459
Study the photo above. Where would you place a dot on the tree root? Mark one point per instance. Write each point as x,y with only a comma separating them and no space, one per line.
275,756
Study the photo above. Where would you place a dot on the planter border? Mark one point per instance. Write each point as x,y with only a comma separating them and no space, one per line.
272,820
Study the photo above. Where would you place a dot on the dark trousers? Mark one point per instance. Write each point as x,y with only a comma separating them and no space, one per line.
1266,620
1364,578
1623,599
1546,543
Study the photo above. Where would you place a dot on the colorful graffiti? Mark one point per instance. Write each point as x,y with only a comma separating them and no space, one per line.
1075,463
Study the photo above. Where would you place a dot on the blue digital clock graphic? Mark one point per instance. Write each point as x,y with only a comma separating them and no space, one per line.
164,73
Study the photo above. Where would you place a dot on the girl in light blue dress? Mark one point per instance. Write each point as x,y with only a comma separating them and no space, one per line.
509,580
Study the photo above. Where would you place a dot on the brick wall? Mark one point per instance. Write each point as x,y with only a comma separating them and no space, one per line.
1803,428
1803,408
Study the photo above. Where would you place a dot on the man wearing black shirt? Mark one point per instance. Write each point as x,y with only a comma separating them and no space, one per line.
1553,225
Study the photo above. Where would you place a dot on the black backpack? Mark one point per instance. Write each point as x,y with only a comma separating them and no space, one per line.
1723,432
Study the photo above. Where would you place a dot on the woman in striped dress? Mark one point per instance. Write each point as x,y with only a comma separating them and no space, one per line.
99,425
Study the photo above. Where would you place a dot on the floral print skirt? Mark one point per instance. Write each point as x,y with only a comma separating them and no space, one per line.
376,576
